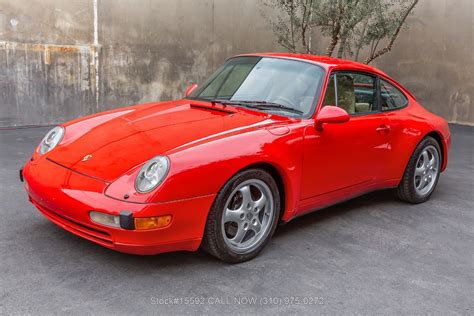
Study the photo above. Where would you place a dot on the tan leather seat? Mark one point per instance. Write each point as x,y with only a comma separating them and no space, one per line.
362,107
346,93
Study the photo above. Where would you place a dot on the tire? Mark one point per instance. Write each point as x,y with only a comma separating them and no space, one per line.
412,187
230,221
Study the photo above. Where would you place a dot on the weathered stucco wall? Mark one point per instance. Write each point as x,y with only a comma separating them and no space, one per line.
63,59
435,58
155,51
45,61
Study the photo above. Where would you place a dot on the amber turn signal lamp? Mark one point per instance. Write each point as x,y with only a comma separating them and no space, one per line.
142,223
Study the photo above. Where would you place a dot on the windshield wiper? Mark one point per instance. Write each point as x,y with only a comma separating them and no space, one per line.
257,105
272,105
225,102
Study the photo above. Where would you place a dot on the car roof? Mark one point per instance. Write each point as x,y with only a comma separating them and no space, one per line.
329,63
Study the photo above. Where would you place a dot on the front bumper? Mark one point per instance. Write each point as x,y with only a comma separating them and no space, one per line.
66,198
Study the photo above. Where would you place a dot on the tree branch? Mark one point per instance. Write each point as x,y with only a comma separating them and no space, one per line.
389,46
335,34
361,40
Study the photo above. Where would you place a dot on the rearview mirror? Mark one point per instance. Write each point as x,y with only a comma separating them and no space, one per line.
191,88
330,114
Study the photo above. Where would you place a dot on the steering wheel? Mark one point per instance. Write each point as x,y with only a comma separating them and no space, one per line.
284,101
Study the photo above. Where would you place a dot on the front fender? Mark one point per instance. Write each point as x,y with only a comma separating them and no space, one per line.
203,169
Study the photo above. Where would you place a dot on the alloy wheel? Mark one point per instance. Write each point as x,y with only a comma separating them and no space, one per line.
247,217
426,170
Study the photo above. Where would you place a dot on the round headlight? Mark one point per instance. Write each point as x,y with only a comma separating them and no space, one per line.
51,140
152,174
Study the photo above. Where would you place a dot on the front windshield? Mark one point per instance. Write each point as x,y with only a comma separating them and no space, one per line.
290,83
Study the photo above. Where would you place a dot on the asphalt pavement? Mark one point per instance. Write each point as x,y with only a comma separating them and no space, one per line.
371,255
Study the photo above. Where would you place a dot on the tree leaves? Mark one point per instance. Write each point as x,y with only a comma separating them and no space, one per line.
352,26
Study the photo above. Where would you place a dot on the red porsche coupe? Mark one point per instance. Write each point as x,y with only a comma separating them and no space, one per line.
267,138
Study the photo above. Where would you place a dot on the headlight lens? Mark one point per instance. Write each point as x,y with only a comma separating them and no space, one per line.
51,140
152,174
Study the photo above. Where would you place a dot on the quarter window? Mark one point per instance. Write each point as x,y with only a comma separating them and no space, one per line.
354,92
391,97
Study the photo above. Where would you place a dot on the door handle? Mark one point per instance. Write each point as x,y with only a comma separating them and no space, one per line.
383,129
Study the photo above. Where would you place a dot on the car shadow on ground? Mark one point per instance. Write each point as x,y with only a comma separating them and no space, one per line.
63,243
337,210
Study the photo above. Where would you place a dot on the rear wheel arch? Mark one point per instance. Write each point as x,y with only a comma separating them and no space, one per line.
408,189
439,139
431,133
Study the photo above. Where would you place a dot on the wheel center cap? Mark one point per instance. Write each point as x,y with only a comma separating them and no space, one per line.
249,216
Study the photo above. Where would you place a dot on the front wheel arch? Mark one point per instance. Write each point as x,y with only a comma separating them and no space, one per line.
277,176
213,242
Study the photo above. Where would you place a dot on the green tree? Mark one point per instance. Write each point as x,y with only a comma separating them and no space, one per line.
351,26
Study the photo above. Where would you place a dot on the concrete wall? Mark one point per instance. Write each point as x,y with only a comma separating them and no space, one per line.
63,59
435,58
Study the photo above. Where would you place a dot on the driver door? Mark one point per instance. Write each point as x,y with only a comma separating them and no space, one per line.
344,160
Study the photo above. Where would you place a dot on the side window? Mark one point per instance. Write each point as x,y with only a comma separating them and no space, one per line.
391,97
354,92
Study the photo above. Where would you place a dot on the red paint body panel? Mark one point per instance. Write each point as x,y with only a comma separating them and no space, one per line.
207,144
66,198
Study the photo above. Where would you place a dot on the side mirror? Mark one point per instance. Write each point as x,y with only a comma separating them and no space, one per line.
191,88
330,114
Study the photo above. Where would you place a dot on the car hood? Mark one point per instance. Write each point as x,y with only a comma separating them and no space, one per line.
105,146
